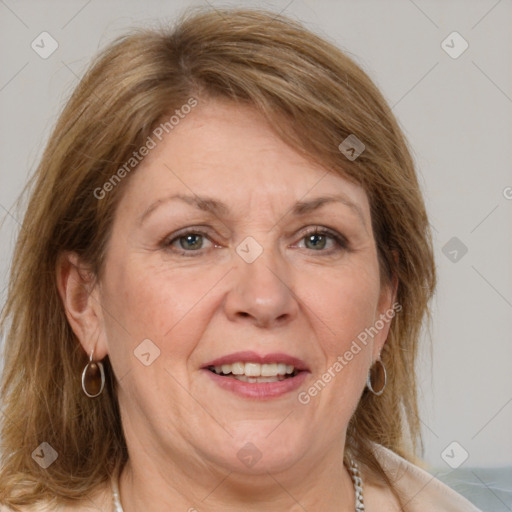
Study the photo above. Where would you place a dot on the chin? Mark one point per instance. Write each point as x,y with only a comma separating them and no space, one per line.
262,451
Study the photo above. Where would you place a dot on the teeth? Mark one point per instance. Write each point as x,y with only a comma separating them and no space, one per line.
254,370
237,368
244,378
269,370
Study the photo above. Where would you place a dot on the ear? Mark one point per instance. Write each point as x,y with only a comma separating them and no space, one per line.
386,310
79,294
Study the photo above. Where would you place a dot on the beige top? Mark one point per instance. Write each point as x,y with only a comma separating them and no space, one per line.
422,492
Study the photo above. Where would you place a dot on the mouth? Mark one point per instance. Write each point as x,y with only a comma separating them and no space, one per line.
257,376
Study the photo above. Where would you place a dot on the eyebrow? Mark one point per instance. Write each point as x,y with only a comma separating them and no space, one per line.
305,207
205,204
210,205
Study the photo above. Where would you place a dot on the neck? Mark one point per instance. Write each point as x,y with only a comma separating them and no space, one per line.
326,486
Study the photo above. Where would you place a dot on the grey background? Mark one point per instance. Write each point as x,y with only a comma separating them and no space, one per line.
456,114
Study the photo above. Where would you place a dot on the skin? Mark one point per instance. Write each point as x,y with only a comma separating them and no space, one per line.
306,299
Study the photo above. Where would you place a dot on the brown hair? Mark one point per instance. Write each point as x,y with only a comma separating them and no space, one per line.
315,96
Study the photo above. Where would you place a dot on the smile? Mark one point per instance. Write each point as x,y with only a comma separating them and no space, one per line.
252,375
255,372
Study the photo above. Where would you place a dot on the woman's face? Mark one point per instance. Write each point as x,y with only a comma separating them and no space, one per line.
213,259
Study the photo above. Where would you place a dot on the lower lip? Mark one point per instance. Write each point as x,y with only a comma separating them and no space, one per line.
260,390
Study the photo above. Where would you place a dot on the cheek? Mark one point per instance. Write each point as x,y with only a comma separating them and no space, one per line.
344,303
156,302
164,306
344,306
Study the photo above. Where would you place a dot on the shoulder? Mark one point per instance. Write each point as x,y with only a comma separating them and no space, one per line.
421,491
380,498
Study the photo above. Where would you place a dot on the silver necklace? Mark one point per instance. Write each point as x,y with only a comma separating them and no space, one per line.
353,469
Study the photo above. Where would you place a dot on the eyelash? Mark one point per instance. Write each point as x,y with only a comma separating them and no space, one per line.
339,240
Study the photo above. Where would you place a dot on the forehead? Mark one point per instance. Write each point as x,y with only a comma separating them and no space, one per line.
229,151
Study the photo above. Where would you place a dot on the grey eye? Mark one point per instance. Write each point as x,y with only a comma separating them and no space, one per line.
191,241
316,240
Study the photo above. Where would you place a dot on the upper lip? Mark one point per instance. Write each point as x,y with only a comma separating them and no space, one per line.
253,357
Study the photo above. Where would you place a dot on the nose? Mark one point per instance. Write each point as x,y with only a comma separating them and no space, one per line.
262,293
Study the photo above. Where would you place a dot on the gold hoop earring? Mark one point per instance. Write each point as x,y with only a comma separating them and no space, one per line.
377,374
93,378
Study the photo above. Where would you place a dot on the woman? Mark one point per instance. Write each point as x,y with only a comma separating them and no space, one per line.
218,289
